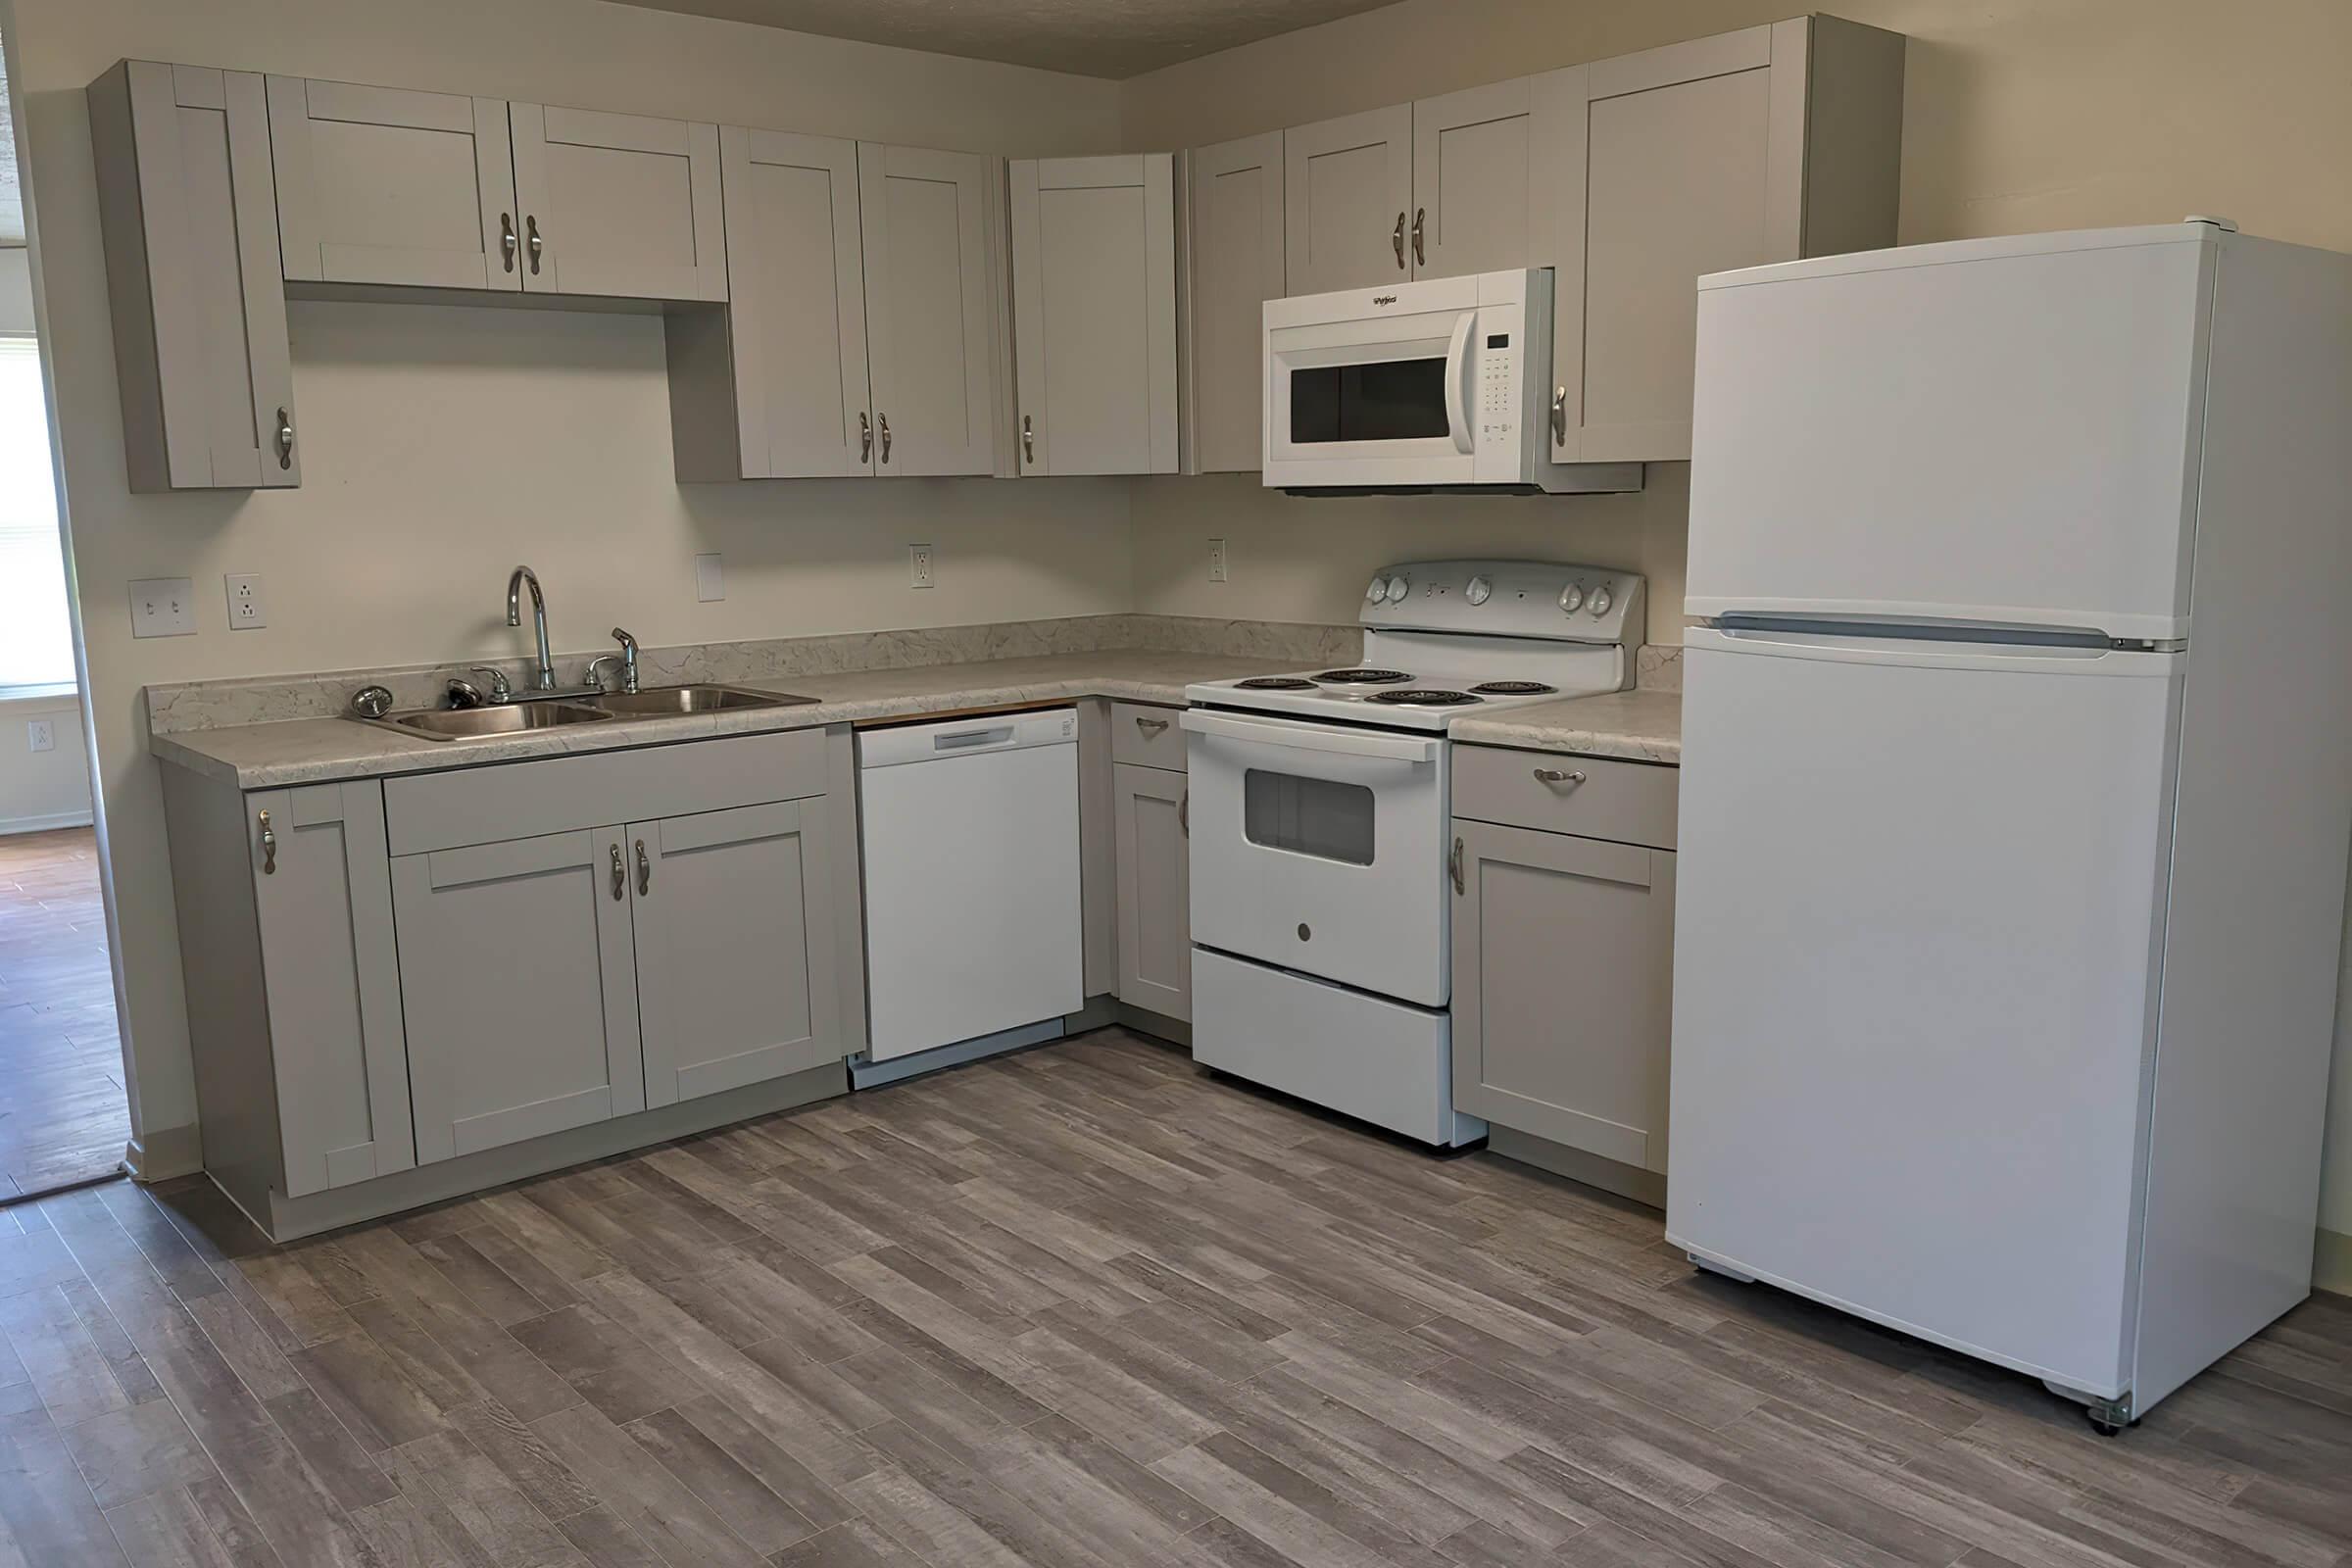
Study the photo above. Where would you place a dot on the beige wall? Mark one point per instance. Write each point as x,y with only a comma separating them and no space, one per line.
16,290
443,445
42,788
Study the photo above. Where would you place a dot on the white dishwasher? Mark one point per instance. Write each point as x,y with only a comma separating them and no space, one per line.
969,830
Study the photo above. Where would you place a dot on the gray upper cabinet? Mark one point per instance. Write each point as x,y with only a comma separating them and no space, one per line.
619,205
1756,146
931,322
190,218
1234,265
734,943
391,186
1151,815
1348,196
520,988
1093,270
1470,181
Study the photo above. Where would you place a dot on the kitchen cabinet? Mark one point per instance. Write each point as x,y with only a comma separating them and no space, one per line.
1563,949
190,217
1094,273
1471,208
1152,813
1762,145
617,205
1234,265
934,323
1348,195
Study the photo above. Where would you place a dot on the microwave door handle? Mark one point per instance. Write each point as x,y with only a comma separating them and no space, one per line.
1457,390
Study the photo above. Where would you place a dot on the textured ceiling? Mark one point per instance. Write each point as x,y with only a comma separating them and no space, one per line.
1092,38
11,199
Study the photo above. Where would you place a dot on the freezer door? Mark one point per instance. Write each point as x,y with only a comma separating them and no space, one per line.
1920,894
1998,431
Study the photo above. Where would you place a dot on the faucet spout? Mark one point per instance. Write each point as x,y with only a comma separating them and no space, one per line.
545,679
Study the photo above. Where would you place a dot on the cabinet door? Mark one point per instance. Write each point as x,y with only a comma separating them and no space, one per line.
1348,196
735,964
1470,181
929,318
1094,272
1563,988
330,967
1156,931
189,208
382,185
1236,250
520,988
1657,167
619,205
797,280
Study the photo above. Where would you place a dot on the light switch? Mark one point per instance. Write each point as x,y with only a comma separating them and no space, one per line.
710,577
161,607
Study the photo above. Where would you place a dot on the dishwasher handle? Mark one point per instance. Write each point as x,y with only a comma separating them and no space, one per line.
972,735
972,740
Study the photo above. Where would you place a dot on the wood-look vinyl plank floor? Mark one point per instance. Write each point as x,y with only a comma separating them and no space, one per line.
1081,1307
64,1117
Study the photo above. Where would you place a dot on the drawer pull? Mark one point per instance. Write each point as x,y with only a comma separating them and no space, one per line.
1149,726
269,847
1553,775
620,877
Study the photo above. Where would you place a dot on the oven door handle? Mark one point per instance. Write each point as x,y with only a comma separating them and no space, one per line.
1313,738
1457,388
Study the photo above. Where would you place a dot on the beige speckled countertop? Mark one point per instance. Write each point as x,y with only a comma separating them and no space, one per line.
1641,724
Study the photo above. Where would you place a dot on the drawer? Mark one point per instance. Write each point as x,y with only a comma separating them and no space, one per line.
558,794
1147,736
1631,803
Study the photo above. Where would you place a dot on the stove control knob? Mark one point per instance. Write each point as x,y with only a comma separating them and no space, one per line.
1397,589
1377,592
1571,599
1478,591
1600,603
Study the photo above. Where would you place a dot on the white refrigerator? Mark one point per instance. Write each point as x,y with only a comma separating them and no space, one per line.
2016,782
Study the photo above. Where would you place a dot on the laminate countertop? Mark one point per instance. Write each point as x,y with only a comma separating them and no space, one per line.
1641,724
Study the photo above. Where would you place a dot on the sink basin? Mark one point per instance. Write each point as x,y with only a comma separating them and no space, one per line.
507,718
658,699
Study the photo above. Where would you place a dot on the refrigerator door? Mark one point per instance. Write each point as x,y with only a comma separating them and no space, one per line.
1920,898
1994,430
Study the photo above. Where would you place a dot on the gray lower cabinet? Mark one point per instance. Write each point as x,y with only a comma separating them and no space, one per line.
1150,814
1563,984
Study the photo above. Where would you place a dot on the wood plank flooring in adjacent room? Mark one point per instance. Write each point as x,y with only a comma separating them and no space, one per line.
1083,1305
63,1115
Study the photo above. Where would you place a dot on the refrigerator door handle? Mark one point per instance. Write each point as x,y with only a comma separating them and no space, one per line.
1859,647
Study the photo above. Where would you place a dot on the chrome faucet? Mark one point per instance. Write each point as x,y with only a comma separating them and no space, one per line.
629,661
545,680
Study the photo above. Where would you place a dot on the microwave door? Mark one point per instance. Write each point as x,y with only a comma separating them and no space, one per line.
1372,403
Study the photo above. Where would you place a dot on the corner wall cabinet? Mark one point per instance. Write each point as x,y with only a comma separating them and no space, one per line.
189,213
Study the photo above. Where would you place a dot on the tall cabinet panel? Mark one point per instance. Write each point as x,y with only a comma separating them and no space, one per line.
1234,225
619,205
190,216
385,185
1470,181
1094,268
1347,197
1152,811
930,324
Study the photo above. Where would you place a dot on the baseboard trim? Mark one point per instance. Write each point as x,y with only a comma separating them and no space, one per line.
10,826
897,1069
1610,1176
2332,1262
1158,1025
161,1152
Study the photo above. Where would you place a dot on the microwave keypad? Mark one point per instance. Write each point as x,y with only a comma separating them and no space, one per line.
1498,419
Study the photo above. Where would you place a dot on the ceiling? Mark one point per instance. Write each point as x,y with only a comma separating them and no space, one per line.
1114,38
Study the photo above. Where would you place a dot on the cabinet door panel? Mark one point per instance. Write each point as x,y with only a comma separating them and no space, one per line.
1470,181
1563,987
382,185
1093,265
1155,853
621,205
520,988
929,316
1348,195
797,278
323,896
1236,246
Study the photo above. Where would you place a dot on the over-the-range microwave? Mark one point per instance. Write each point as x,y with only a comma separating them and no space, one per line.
1443,385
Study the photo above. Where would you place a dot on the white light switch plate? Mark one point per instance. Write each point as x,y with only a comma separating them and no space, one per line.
710,577
245,611
162,607
40,734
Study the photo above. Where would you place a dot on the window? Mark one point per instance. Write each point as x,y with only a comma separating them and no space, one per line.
36,639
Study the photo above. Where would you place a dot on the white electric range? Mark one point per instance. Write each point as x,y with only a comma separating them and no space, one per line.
1321,887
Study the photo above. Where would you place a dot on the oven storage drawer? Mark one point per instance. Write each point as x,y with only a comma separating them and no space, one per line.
1147,736
1630,803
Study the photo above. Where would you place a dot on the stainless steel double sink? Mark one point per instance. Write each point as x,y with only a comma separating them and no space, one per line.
550,713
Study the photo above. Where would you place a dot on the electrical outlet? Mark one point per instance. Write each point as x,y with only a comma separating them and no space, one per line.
710,578
245,611
1217,560
162,607
919,566
40,734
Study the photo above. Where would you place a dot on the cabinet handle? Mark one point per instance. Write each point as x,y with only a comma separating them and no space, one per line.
506,238
1028,440
621,878
1559,415
1149,726
865,437
1455,866
1552,775
538,245
1398,240
884,421
1184,814
1420,255
645,871
269,847
285,439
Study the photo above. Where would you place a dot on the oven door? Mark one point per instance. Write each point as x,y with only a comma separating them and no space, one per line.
1321,848
1384,401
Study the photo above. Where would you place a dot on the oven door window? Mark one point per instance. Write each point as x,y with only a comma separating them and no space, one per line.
1385,400
1314,816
